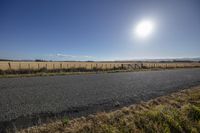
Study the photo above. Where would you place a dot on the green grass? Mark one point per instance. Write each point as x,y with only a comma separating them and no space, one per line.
65,120
58,73
178,112
45,72
71,71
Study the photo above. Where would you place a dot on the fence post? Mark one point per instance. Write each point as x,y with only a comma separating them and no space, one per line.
9,65
19,65
29,67
38,66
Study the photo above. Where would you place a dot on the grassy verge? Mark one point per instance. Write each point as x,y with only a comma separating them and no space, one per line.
54,72
76,71
60,73
178,112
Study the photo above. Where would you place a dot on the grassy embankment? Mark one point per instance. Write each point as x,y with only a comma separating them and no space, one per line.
178,112
70,71
53,72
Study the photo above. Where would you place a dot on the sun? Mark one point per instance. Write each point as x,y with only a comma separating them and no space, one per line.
144,28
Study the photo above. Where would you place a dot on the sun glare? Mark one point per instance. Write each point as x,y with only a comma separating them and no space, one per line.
144,29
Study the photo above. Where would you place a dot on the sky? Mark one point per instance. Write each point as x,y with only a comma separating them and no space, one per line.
98,29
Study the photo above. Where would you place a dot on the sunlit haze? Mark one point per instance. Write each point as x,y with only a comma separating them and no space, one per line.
144,29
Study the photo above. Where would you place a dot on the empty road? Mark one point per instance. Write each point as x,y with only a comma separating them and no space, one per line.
24,100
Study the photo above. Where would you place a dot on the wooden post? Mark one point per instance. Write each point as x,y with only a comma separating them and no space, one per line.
38,66
19,65
9,65
29,67
53,66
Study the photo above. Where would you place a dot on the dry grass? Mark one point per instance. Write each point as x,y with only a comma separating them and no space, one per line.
27,69
6,65
11,65
178,112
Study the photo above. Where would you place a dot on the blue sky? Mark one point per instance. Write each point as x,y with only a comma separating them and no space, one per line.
98,29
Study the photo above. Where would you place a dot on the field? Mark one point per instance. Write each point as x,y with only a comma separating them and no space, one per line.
29,69
178,112
5,65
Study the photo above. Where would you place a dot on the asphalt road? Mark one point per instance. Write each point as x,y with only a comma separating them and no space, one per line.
26,99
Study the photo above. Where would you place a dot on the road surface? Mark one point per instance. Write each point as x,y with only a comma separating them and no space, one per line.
28,101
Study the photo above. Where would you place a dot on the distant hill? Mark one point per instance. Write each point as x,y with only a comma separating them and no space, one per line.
5,60
197,59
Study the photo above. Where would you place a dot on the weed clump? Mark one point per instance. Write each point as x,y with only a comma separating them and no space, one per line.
194,113
65,121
